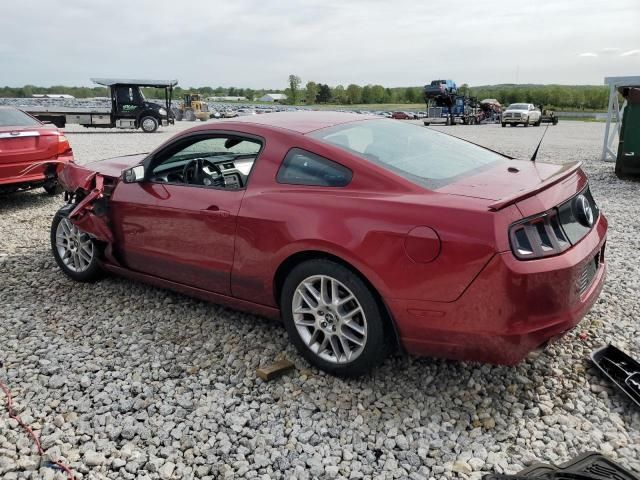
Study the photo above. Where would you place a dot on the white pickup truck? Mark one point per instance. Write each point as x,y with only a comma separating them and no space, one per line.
524,113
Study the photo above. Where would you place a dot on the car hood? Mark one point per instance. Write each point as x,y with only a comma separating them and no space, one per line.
113,167
516,111
510,180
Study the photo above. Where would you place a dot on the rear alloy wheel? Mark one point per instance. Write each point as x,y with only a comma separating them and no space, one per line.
75,251
149,124
333,318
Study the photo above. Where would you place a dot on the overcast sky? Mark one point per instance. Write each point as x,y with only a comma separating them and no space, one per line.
256,44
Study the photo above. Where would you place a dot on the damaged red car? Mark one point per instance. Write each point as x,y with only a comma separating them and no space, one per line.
31,152
363,234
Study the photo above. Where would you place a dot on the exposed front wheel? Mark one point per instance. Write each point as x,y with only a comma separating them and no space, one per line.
75,252
333,318
526,123
504,124
149,124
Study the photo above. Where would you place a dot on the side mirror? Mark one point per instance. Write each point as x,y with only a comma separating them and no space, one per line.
133,174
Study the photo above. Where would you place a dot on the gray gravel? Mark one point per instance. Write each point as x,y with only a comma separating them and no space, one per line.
126,381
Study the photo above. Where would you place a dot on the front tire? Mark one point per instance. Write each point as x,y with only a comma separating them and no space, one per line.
333,318
149,124
76,253
504,124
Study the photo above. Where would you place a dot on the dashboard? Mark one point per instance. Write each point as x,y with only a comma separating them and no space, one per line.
235,170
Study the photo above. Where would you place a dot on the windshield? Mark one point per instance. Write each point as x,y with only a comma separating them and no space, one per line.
518,106
10,117
426,157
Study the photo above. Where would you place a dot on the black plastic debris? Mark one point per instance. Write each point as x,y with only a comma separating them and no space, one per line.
588,466
620,368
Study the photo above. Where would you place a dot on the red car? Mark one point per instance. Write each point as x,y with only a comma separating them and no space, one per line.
402,116
361,233
31,153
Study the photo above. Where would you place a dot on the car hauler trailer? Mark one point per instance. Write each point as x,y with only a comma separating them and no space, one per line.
129,109
446,106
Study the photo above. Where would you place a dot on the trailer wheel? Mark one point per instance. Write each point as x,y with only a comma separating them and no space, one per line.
149,124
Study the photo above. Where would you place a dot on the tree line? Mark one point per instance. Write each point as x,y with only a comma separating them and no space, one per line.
568,97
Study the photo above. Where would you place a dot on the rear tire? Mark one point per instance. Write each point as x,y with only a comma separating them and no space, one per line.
75,252
53,188
346,339
148,124
189,115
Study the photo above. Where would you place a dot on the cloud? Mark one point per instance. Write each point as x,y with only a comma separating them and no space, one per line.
588,54
630,53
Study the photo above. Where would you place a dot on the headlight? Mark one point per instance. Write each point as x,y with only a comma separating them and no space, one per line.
162,112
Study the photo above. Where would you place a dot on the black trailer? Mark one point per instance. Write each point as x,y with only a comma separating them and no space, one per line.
129,109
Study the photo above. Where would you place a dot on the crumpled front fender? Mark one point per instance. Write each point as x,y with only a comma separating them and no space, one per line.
90,213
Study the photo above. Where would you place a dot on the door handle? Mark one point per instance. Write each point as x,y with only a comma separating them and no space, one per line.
215,211
629,154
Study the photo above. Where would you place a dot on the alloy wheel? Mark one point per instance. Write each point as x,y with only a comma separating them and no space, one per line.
329,319
74,247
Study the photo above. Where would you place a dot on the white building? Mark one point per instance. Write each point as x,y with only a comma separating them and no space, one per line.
273,97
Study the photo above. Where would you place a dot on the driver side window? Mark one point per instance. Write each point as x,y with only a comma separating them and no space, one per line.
216,162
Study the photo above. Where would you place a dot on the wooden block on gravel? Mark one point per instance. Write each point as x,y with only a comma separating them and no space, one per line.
274,370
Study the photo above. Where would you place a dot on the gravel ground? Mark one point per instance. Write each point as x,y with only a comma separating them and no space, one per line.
127,381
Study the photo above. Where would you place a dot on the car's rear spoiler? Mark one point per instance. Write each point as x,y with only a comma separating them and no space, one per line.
567,170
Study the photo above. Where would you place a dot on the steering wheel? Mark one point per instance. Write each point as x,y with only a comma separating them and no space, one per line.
194,173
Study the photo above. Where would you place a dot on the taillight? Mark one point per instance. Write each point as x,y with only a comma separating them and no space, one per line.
538,237
63,145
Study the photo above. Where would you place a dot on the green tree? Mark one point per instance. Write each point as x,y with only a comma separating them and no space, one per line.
294,86
367,96
354,94
324,93
377,94
311,93
338,94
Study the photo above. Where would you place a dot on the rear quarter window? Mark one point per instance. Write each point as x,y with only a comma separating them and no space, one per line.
301,167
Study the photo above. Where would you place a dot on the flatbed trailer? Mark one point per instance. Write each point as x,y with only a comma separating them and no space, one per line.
128,108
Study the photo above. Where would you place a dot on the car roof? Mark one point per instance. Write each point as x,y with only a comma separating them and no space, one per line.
304,122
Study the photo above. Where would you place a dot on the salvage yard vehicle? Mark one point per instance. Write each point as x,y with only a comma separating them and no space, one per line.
192,108
129,109
361,233
31,153
521,113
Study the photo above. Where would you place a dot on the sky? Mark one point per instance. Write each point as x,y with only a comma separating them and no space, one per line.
257,44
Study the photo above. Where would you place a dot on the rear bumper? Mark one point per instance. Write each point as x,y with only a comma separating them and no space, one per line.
27,173
510,309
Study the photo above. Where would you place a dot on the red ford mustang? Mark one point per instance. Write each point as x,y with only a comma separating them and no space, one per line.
361,233
31,153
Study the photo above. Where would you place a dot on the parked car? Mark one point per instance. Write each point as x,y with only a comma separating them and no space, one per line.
31,152
524,113
401,116
361,233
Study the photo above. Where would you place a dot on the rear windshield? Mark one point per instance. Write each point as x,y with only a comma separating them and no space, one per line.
426,157
10,117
